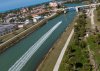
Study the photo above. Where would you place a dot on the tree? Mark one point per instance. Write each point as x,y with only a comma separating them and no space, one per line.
29,17
83,44
1,41
78,65
24,27
14,32
98,39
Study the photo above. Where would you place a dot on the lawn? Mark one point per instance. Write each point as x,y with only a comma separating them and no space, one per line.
95,49
74,55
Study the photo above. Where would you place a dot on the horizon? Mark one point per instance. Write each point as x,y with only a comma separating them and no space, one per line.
6,5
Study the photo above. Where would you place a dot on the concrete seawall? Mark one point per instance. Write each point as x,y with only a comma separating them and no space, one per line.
25,33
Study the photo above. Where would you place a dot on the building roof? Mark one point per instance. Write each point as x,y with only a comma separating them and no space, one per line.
6,26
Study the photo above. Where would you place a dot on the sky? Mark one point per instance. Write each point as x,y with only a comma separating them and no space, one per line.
13,4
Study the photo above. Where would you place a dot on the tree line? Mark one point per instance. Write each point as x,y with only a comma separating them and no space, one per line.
77,56
98,12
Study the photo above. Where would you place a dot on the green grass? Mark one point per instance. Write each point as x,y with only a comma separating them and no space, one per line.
76,57
95,19
95,49
79,55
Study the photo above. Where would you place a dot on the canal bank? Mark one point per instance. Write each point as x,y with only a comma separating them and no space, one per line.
9,57
25,33
56,34
51,57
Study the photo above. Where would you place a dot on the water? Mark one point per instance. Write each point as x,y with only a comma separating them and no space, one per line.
6,5
9,57
73,5
25,57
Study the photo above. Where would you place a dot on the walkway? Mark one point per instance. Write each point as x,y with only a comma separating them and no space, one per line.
57,65
92,18
91,57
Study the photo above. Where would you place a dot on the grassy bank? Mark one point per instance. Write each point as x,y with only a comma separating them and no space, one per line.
76,57
94,44
93,41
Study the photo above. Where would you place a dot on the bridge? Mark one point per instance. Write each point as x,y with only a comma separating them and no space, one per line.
77,7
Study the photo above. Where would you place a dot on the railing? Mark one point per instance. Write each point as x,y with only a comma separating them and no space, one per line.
83,6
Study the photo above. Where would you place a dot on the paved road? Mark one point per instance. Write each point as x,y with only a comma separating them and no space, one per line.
57,65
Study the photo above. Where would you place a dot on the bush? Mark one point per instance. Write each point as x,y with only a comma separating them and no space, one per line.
83,44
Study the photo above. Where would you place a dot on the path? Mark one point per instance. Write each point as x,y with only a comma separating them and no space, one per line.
91,57
92,18
57,65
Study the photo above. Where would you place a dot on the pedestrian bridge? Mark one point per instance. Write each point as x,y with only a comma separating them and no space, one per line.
77,7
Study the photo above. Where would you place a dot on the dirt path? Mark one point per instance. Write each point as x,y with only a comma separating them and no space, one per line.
91,56
92,61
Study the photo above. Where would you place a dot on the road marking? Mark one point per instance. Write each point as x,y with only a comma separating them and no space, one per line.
19,64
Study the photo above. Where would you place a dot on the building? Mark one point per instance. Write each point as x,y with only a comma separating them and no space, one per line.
53,4
7,28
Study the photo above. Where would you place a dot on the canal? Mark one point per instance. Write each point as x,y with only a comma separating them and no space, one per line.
11,55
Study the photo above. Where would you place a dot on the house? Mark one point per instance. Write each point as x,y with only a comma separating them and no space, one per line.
53,4
27,21
37,18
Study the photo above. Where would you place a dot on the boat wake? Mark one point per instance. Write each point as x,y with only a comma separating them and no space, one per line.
20,63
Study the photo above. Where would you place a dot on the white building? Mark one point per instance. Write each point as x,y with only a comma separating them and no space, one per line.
53,4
